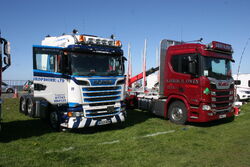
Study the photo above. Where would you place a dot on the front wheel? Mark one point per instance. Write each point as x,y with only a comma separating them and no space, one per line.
54,121
177,112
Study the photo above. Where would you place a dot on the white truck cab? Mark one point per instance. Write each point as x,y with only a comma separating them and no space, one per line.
78,82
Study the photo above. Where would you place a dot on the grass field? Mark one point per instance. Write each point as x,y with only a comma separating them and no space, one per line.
144,140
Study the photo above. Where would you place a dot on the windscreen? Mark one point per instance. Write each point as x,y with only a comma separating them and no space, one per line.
96,64
217,68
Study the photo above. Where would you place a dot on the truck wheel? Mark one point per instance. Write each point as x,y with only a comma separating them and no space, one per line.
23,107
30,107
177,112
54,121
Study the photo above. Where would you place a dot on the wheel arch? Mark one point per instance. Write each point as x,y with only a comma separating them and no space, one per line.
173,98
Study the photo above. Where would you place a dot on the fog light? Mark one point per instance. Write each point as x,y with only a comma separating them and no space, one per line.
210,114
206,107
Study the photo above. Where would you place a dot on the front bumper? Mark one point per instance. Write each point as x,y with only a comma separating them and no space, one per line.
207,116
81,122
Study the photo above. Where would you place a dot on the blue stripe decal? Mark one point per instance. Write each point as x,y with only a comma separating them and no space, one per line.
75,109
73,104
76,124
41,73
118,118
45,46
87,122
96,76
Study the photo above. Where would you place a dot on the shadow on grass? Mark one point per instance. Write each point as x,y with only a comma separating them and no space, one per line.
133,117
35,127
23,129
212,123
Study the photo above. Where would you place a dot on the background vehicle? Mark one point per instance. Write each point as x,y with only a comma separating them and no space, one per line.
7,88
195,83
78,82
5,55
28,86
242,86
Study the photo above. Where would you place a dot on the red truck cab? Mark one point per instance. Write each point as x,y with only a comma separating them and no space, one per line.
199,76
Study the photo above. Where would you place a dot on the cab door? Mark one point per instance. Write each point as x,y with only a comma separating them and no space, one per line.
49,81
180,80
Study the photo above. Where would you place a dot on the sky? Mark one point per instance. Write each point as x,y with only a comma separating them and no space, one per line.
26,22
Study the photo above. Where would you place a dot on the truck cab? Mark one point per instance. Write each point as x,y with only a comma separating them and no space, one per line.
201,77
195,83
78,81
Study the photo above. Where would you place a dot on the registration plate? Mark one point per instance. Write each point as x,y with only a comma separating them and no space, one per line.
103,122
222,116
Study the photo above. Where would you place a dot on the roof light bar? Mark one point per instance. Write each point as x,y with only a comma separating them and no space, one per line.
98,41
220,46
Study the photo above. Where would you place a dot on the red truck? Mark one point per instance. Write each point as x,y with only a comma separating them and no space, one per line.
195,83
5,55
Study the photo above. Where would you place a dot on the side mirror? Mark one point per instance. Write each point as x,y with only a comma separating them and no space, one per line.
6,60
192,66
7,48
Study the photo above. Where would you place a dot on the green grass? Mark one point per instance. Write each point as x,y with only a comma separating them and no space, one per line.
30,142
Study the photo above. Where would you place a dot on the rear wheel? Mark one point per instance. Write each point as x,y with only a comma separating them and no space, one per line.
23,107
177,112
30,107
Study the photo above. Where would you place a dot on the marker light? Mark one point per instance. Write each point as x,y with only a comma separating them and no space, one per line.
70,114
118,43
81,38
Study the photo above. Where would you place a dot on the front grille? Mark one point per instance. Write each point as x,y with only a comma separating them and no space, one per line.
222,93
101,94
95,89
101,112
220,105
102,104
219,99
101,99
213,86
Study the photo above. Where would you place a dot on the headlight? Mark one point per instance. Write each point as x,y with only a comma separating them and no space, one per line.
206,107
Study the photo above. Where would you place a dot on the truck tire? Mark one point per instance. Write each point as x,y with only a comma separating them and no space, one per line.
54,121
177,112
23,106
30,107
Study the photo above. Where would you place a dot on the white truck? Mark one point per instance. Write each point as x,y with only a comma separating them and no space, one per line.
5,55
78,82
242,86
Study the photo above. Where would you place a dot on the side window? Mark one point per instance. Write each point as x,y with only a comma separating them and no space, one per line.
46,62
248,83
180,63
237,82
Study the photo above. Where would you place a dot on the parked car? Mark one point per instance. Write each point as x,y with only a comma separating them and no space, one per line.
7,88
28,86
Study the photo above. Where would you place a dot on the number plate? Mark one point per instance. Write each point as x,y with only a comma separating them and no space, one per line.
222,116
103,122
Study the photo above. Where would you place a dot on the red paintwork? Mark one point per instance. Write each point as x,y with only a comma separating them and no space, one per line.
188,89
